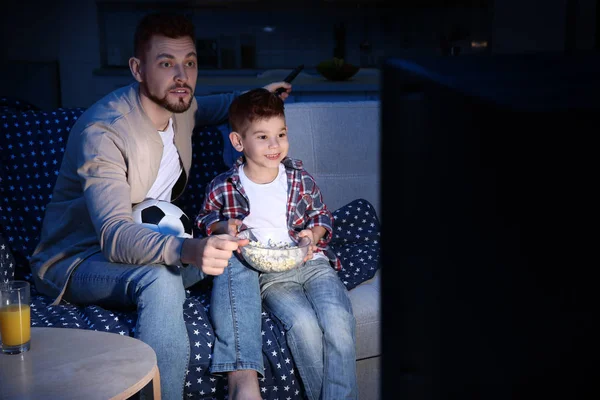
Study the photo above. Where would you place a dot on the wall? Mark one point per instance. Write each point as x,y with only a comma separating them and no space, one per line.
586,25
521,27
67,31
23,38
525,26
63,31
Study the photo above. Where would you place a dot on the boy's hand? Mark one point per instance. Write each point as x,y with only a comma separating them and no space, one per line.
233,226
230,227
311,247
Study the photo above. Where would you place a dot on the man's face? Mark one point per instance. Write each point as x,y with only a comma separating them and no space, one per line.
169,71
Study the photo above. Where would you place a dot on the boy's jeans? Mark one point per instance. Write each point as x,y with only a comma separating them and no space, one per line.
158,293
235,309
313,304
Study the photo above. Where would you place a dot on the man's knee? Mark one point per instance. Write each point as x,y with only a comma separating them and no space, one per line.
161,281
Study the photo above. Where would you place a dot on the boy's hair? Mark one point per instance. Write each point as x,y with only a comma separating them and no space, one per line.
173,26
255,104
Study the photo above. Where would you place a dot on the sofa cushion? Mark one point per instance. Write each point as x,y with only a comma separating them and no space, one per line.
338,143
31,149
355,240
207,162
13,104
7,261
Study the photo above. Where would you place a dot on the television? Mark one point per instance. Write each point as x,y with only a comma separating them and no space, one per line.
488,172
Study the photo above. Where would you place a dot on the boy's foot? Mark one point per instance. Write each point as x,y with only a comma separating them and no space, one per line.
243,385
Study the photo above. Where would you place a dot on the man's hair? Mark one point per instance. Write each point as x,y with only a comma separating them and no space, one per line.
171,25
255,104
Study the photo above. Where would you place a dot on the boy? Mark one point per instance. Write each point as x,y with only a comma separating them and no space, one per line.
265,188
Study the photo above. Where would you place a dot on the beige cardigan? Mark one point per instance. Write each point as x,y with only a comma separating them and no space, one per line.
111,160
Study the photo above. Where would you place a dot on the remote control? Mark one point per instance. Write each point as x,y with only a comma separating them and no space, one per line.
290,78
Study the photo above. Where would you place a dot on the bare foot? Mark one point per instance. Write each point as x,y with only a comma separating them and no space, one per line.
243,385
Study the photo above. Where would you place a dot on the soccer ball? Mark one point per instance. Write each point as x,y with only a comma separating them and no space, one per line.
164,217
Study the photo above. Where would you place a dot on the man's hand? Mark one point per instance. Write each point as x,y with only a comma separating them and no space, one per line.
272,87
211,254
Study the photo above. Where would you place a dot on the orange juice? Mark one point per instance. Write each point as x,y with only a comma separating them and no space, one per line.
15,324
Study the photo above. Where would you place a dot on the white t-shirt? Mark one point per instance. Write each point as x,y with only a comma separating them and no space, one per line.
268,201
268,204
170,167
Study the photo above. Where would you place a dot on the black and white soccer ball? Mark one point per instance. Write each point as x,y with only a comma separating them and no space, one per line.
164,217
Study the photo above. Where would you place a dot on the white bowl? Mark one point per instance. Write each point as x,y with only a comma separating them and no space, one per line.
272,249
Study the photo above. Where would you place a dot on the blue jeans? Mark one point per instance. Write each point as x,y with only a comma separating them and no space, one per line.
158,293
313,304
235,309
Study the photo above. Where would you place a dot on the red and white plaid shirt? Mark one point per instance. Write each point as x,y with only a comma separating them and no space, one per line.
225,198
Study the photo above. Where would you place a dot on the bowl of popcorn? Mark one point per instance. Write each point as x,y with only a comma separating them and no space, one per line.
272,249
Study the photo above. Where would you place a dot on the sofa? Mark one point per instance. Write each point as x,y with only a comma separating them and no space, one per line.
338,143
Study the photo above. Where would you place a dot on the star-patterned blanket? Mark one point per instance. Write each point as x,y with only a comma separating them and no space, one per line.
31,146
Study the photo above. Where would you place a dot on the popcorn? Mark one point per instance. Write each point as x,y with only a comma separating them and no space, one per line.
271,244
268,257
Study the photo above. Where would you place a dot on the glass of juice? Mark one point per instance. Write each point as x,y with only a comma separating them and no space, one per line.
15,317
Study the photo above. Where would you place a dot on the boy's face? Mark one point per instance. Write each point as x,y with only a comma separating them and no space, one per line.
265,143
169,72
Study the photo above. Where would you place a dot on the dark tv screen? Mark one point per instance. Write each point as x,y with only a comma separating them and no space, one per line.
488,179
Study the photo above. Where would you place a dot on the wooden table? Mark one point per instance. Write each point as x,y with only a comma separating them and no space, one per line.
68,363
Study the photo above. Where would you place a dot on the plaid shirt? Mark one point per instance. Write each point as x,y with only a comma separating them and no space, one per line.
225,198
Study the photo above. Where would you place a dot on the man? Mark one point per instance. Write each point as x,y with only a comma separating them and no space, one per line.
134,144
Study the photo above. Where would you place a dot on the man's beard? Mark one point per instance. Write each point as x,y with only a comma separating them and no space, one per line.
178,107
